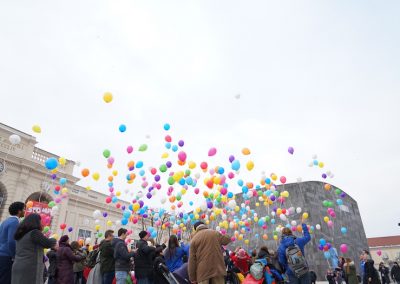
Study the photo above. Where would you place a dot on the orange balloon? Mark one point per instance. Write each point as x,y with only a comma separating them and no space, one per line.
85,172
327,186
131,164
109,166
110,178
29,204
246,151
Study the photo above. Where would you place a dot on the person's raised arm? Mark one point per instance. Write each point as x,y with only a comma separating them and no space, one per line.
223,239
39,238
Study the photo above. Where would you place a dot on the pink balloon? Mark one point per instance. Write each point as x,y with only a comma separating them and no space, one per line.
283,179
212,152
343,248
182,156
379,252
111,160
129,149
330,224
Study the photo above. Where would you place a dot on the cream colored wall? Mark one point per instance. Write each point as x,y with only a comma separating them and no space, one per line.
392,252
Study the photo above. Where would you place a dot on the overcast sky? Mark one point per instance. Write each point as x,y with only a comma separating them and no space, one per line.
321,76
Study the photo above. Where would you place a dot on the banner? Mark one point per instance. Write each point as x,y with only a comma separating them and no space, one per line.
39,208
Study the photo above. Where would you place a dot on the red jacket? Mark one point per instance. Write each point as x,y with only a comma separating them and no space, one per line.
242,264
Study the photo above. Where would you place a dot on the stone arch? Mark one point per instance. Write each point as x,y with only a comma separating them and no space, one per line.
39,196
3,199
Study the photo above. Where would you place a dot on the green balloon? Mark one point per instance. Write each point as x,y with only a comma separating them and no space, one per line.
171,181
267,218
106,153
163,168
260,193
187,173
143,147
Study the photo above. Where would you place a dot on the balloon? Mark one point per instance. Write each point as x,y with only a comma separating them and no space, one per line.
343,248
246,151
322,242
96,176
318,227
182,156
291,150
212,152
122,128
235,165
63,226
129,149
327,186
36,128
327,255
298,210
343,230
305,215
62,161
379,252
107,97
29,204
106,153
70,229
250,165
283,179
85,172
14,139
143,147
51,163
167,126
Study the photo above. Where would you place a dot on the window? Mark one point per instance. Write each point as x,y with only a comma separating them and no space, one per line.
84,234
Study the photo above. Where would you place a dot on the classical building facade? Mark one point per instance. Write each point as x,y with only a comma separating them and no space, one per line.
23,177
385,249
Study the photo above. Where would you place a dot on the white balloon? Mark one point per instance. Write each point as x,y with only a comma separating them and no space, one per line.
118,223
260,199
14,139
88,240
96,214
283,217
203,207
298,210
318,227
291,210
314,156
224,217
163,200
197,176
328,173
218,228
232,204
97,222
293,223
311,164
244,216
273,213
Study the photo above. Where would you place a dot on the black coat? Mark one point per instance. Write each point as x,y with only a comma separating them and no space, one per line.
106,257
370,272
52,256
395,273
144,260
121,255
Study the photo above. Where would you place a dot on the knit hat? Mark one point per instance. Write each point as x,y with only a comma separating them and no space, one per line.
241,253
142,234
197,224
63,239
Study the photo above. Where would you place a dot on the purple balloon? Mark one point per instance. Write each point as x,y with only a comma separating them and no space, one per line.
231,158
209,204
53,176
291,150
123,207
141,203
105,214
324,176
148,195
70,229
168,164
157,178
145,215
321,247
273,198
343,195
181,143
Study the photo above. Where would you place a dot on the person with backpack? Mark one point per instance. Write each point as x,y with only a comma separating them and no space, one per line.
121,256
292,258
261,271
107,262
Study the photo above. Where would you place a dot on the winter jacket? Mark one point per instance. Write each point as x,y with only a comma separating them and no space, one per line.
205,258
395,273
370,272
122,257
350,272
80,266
65,262
288,241
174,260
52,256
144,260
7,241
106,257
243,264
160,268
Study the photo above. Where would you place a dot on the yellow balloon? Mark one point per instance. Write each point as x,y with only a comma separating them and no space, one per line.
37,129
274,177
96,176
54,171
54,236
118,193
208,222
196,216
305,215
136,207
164,155
109,223
88,188
326,219
321,165
62,161
250,165
107,97
64,190
115,173
97,227
275,237
192,165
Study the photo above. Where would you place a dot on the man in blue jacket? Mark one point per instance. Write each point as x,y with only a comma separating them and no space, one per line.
288,240
7,241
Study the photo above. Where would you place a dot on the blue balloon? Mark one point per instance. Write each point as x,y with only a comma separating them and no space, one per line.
127,214
235,165
139,164
315,163
189,181
245,189
339,202
221,170
182,181
327,255
240,182
63,181
124,221
167,126
344,230
122,128
114,199
230,194
175,148
154,234
322,242
141,173
273,221
168,145
267,180
51,163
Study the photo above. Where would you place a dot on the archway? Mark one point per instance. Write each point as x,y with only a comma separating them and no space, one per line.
3,198
39,196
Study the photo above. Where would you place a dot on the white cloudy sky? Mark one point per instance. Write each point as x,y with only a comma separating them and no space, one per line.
321,76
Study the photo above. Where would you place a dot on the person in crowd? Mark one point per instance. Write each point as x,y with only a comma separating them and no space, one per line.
144,260
253,255
395,272
107,262
370,273
160,266
272,259
289,240
313,277
331,276
78,267
350,271
384,271
52,270
28,265
206,261
122,256
174,254
362,264
93,267
7,241
65,261
241,260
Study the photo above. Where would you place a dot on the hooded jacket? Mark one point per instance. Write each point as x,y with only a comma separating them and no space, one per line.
65,261
121,255
144,260
288,241
174,259
106,257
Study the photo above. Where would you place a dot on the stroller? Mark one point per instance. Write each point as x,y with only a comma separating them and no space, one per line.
181,274
168,276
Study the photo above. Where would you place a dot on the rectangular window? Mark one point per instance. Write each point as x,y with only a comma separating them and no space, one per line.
84,234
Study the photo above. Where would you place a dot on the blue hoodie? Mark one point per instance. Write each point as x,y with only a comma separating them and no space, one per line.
174,261
7,231
288,241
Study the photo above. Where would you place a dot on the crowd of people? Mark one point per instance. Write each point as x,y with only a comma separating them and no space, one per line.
205,260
